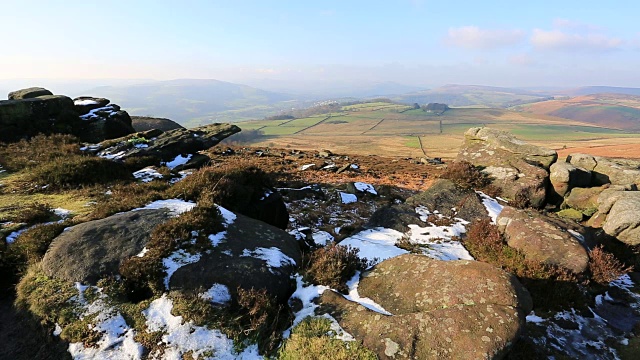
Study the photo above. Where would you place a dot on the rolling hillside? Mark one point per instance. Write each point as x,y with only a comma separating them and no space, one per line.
473,96
396,129
192,102
617,111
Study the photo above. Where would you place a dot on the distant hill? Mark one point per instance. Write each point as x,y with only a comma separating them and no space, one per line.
608,110
190,102
588,90
473,95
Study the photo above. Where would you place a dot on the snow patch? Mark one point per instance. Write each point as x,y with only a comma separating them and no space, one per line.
492,205
147,174
175,261
217,294
364,301
175,206
348,198
179,160
273,256
376,244
85,102
307,166
364,187
322,238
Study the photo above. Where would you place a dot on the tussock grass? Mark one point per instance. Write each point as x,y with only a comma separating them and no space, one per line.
312,339
333,266
39,150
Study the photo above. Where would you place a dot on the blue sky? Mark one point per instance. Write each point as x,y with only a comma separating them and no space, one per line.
423,43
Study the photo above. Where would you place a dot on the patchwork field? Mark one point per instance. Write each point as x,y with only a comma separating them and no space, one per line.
399,130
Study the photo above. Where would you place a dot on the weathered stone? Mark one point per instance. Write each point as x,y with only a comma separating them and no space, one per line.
609,170
110,127
92,250
441,309
518,168
29,93
85,104
609,196
28,117
623,218
584,200
571,214
172,143
450,200
195,162
542,239
233,262
397,217
564,176
144,123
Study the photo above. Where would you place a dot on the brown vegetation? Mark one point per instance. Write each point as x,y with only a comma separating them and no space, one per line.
605,267
333,266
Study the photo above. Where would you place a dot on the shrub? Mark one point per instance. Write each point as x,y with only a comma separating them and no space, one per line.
34,213
605,267
312,339
333,266
75,171
38,150
466,175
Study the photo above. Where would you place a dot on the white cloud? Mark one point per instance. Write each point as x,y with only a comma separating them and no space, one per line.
522,60
473,37
563,41
574,25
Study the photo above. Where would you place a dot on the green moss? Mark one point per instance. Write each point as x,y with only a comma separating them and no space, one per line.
313,339
571,214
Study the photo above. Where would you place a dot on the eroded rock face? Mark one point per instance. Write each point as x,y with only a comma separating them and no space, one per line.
30,116
608,170
441,310
144,123
564,176
170,144
584,200
520,169
29,93
444,196
92,250
542,239
240,260
622,211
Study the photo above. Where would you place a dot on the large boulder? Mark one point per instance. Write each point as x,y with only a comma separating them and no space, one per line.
520,169
92,250
564,176
441,310
144,123
168,145
85,104
396,216
102,122
29,93
542,239
450,200
622,211
608,170
252,254
584,200
31,116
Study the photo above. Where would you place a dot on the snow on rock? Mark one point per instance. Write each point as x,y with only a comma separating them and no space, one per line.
307,166
348,198
108,110
439,240
62,213
143,252
322,238
306,295
14,235
175,206
217,294
110,156
532,317
364,187
273,256
576,235
147,174
85,102
175,261
376,244
181,338
364,301
493,207
179,160
229,217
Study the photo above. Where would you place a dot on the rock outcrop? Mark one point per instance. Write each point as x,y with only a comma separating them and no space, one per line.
29,93
565,176
441,310
608,170
450,200
621,212
541,239
144,123
520,169
167,145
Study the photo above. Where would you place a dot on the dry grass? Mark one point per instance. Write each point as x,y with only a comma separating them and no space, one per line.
333,266
38,150
466,175
605,267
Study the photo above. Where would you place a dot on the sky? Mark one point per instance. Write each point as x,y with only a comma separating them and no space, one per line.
415,42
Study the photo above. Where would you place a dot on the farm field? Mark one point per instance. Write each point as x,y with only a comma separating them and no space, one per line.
399,130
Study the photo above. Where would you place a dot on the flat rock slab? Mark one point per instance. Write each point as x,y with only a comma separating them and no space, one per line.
92,250
450,200
608,170
441,310
542,239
